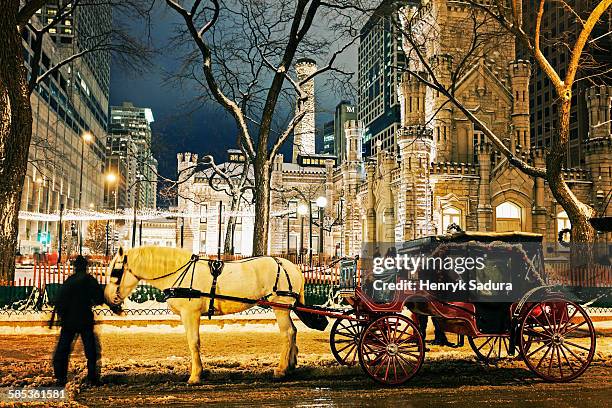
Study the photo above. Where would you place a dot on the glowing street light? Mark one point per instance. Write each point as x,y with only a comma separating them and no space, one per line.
321,203
86,137
111,178
302,209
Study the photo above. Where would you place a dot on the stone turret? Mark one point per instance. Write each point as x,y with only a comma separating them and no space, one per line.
443,118
186,163
416,146
539,212
598,104
352,169
598,147
304,132
411,95
353,131
519,72
484,210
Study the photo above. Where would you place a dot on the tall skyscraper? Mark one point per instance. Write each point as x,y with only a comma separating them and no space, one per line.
561,26
380,58
328,138
130,137
67,105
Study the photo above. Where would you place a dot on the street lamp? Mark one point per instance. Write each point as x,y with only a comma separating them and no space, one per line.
111,178
87,137
321,203
302,210
41,184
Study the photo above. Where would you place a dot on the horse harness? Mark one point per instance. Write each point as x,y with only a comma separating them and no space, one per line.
216,268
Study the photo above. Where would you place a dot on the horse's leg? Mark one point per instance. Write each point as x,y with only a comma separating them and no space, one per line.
287,331
191,321
294,348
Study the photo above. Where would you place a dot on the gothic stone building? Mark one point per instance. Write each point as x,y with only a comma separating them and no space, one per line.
444,170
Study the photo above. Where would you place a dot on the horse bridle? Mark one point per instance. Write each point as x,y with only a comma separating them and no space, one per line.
118,273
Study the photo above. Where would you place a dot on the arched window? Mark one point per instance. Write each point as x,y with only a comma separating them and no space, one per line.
508,217
450,215
562,223
508,210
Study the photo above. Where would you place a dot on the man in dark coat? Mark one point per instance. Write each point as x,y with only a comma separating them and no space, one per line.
78,294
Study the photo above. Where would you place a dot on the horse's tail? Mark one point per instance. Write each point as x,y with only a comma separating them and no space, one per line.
311,320
302,298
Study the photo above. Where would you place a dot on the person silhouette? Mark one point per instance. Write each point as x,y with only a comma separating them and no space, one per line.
77,295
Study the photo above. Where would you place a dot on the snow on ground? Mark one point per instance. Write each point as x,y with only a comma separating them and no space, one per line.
157,362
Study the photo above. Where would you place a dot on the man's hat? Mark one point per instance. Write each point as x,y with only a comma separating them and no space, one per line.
80,263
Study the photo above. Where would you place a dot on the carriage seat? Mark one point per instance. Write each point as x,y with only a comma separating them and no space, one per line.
457,309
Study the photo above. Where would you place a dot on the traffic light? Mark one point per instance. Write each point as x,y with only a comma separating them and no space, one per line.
73,228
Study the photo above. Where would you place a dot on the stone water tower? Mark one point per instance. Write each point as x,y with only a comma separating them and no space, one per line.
304,132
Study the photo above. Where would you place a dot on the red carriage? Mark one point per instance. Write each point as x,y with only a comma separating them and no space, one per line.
551,332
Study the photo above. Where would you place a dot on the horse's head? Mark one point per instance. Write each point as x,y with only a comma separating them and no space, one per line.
121,281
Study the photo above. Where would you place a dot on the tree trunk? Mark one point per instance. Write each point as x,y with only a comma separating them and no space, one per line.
262,206
231,225
583,234
15,134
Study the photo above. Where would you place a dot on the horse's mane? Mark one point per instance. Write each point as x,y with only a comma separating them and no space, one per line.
153,261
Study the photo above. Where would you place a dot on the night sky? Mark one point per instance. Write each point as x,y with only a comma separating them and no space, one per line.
181,124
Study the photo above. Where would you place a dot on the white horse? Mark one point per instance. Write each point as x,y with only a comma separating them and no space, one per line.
251,278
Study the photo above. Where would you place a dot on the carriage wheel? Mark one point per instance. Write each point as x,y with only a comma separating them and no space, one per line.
490,349
391,350
344,340
557,340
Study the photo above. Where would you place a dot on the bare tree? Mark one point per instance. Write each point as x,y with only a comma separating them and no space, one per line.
508,16
234,180
244,51
17,85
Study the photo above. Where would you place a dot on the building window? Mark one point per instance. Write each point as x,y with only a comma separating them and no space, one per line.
508,217
450,215
563,222
478,139
292,207
203,213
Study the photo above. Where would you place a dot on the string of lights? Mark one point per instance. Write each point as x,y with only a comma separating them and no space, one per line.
128,215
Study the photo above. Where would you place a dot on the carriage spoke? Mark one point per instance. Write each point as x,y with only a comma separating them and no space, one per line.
559,361
548,328
577,345
538,349
569,320
410,363
381,364
543,357
573,354
345,347
537,333
567,359
574,327
485,343
399,362
552,357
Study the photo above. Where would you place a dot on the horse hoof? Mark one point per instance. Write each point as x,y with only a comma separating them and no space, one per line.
278,373
194,381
